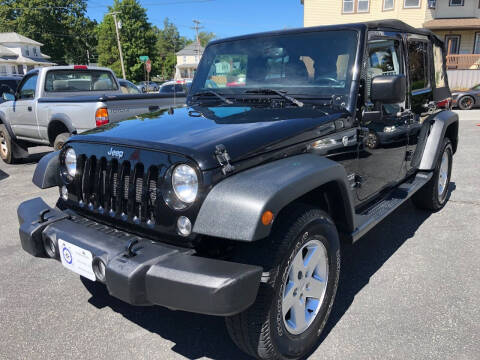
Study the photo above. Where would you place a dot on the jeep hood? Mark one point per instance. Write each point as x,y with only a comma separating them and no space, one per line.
195,131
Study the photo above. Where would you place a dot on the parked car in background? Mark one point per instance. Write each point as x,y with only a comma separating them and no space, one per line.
147,86
171,87
466,100
52,103
128,87
8,84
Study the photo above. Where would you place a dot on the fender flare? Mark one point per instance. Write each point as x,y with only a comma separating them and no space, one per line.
234,207
62,118
3,120
443,123
47,173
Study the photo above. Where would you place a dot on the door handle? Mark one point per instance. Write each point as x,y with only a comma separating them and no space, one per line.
29,108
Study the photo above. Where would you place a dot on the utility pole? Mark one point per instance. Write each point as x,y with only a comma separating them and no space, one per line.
197,27
114,14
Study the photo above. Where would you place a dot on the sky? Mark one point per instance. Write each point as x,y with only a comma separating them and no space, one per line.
223,17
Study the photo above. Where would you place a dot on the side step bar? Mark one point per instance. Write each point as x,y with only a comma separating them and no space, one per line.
372,216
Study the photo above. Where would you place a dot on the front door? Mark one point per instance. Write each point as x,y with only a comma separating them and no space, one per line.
383,147
23,115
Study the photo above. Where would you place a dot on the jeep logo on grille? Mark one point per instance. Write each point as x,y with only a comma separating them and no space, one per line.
115,153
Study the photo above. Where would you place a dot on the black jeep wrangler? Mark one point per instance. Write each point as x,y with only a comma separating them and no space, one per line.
236,205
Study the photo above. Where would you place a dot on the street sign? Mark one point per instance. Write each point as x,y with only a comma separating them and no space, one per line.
143,58
148,65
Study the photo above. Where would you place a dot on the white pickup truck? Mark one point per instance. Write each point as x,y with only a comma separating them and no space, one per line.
52,103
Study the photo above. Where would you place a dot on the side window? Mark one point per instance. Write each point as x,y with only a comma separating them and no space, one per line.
383,59
27,91
418,65
438,65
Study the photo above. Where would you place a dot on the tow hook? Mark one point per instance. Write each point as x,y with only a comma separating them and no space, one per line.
129,252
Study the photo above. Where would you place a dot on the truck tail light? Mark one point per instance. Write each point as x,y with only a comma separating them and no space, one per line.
80,67
101,117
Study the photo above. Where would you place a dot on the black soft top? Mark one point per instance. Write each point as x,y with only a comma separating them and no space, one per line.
385,25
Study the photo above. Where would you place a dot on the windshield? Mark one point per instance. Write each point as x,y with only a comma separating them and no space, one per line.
316,63
79,80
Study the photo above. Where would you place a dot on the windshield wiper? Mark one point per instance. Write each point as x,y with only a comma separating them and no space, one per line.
282,94
211,92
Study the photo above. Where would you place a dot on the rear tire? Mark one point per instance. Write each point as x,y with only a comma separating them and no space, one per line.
466,102
6,152
60,140
269,329
434,195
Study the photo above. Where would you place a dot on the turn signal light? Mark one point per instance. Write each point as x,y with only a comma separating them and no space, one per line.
101,117
267,218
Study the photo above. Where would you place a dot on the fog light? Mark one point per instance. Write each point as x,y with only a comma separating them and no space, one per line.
64,192
184,226
98,267
50,248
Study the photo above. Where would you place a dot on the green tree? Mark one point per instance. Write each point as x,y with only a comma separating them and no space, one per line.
137,37
61,25
169,42
205,37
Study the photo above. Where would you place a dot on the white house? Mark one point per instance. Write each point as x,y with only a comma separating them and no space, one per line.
19,54
187,61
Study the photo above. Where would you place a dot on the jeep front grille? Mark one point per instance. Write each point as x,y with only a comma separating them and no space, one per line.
116,188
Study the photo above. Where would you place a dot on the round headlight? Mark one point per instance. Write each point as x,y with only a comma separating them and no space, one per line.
71,162
185,183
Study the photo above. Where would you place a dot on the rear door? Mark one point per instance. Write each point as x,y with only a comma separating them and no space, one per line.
23,112
420,84
381,160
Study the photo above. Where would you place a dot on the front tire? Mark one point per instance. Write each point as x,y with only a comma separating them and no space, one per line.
302,258
6,152
434,195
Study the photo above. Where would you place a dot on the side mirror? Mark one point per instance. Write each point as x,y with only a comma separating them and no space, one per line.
388,89
8,96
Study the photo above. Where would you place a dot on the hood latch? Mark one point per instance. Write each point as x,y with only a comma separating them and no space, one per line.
223,159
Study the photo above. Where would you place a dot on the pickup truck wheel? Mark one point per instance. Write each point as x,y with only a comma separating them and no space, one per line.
6,146
434,195
302,258
60,140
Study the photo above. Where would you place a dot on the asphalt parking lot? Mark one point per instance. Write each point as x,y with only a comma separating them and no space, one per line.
410,289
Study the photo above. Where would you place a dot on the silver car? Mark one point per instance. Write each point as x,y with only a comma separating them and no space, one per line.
466,100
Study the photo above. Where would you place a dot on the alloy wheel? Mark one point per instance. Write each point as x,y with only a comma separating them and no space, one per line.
305,287
443,176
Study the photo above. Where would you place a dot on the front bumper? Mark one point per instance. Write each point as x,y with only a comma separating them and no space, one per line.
155,274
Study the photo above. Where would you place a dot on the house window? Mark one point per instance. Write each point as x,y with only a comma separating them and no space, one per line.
363,5
456,3
184,59
432,4
27,51
409,4
3,69
35,51
348,6
476,48
388,4
452,43
359,6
